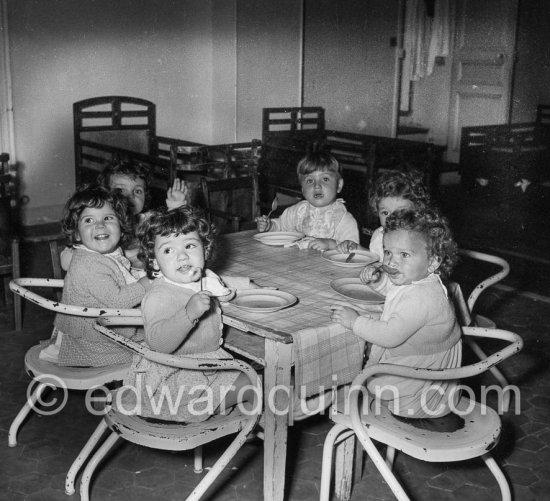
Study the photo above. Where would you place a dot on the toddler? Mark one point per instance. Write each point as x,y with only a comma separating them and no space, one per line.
132,179
394,190
181,316
97,221
418,327
321,216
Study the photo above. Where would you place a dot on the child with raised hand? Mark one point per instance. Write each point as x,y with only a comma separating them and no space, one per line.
418,326
392,191
322,217
98,222
181,316
132,179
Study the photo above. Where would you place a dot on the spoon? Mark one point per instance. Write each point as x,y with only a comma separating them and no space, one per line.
274,206
388,269
350,257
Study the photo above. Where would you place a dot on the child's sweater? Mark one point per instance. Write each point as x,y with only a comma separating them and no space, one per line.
418,328
332,221
95,281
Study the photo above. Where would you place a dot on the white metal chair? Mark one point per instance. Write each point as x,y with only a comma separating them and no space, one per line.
465,311
480,434
48,375
168,436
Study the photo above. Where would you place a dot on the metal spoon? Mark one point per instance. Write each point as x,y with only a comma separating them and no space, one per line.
274,206
350,257
388,269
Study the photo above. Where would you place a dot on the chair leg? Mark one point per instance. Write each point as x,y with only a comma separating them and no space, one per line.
219,465
24,412
497,374
197,468
383,468
501,479
337,432
83,456
104,448
390,456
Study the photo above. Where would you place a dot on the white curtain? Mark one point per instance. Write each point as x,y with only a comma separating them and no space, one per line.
424,39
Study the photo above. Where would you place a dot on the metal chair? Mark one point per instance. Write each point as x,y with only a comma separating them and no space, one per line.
465,310
480,434
48,375
168,436
223,199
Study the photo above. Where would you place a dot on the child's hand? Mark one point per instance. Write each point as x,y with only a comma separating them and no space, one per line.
263,223
370,273
346,246
198,305
322,244
178,194
343,315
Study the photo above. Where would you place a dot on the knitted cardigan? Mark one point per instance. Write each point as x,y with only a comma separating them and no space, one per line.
95,281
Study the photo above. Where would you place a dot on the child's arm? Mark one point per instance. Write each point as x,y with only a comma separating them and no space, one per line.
388,333
166,324
322,244
346,236
108,287
177,195
287,222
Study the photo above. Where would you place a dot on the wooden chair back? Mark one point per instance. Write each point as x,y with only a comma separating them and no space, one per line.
116,121
234,200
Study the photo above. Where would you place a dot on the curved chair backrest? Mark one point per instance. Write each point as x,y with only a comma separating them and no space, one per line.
493,279
172,360
514,346
19,286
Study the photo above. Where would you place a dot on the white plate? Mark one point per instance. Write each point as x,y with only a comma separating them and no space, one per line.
262,300
278,237
361,258
353,288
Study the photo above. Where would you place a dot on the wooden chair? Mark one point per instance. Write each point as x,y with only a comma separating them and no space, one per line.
235,200
480,434
47,375
9,239
467,316
55,243
174,436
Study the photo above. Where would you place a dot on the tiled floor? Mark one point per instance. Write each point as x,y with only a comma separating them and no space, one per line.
35,469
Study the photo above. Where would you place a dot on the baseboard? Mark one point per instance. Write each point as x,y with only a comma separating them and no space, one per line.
32,216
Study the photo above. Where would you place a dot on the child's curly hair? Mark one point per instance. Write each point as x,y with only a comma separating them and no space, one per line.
398,184
164,222
130,169
436,230
318,161
94,197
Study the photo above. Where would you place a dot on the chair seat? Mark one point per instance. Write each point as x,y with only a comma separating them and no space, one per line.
173,436
74,378
480,434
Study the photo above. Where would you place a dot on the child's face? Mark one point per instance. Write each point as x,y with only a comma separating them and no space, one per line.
321,188
407,252
99,229
387,205
180,257
133,188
